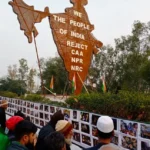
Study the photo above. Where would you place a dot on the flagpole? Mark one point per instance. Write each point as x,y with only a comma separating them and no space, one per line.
82,82
39,64
103,84
50,91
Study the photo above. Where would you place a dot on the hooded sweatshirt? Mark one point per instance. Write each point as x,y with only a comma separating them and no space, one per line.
16,146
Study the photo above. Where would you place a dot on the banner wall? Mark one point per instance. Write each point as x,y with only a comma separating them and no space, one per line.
128,134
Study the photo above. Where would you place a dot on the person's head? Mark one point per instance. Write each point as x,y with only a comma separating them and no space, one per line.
135,125
2,118
56,117
105,127
19,113
12,122
25,132
55,141
4,104
66,128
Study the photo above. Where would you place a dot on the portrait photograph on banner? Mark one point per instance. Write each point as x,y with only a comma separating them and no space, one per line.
94,119
145,145
95,142
94,131
85,116
28,104
28,111
24,110
32,105
74,114
41,115
76,136
46,108
85,128
66,114
32,119
86,140
32,112
128,142
52,109
75,125
145,131
115,139
41,107
36,114
37,121
129,127
36,106
115,121
47,117
41,123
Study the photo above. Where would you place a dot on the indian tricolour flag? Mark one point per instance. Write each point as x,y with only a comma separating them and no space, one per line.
103,84
52,83
73,83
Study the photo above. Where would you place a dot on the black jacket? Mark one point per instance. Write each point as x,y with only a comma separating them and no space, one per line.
68,147
45,131
16,146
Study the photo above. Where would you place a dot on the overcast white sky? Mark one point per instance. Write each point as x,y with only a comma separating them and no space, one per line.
112,18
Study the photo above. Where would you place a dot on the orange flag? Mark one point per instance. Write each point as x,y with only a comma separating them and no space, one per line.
52,83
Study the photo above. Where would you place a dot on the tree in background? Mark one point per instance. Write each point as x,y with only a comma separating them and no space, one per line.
30,80
19,80
55,67
15,86
12,72
23,69
126,65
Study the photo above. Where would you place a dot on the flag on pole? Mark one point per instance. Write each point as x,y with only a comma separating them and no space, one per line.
52,83
103,84
73,83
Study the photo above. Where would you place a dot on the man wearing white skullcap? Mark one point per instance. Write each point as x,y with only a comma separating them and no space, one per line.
105,129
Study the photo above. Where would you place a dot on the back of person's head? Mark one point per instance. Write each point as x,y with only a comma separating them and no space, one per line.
55,141
105,127
56,117
24,128
19,113
109,147
2,118
27,118
12,122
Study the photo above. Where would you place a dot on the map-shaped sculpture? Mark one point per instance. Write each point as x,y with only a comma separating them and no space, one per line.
71,32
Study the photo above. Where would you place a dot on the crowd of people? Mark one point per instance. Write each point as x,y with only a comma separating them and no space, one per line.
19,133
